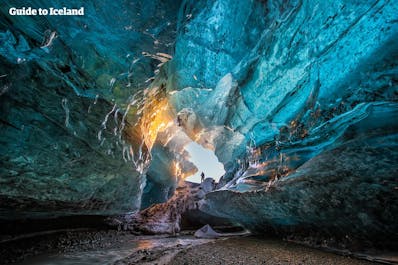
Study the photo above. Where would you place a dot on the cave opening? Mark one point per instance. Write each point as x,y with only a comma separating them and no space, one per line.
206,161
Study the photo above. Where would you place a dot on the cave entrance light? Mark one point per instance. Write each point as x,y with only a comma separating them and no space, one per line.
206,161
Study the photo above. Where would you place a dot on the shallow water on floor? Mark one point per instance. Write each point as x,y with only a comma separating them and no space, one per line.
111,254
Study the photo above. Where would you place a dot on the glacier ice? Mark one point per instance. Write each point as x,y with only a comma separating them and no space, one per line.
297,99
317,83
65,84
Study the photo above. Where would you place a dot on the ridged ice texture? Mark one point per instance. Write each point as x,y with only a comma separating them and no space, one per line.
346,196
221,32
316,84
311,61
64,83
52,163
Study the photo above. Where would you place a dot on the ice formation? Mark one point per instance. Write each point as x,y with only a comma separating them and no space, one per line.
297,99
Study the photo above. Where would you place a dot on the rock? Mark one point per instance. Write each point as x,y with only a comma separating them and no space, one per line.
208,185
206,232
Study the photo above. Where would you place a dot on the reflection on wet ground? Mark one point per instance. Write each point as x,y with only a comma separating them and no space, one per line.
114,253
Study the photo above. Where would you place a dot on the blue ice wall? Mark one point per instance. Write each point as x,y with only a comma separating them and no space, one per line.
105,44
309,82
299,59
64,84
214,37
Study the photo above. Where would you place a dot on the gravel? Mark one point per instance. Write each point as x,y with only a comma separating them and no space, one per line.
250,250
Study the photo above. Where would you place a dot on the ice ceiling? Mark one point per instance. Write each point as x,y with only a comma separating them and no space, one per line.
297,99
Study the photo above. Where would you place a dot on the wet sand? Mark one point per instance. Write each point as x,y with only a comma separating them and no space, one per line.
120,248
254,251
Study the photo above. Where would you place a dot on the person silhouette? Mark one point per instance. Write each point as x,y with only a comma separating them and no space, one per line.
202,177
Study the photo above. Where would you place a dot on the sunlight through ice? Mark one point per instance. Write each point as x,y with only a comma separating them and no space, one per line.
206,161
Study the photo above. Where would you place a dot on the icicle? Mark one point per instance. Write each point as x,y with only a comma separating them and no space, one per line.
96,99
103,125
112,82
49,40
99,135
66,109
131,153
115,117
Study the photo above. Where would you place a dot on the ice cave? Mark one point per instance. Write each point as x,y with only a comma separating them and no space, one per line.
199,132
